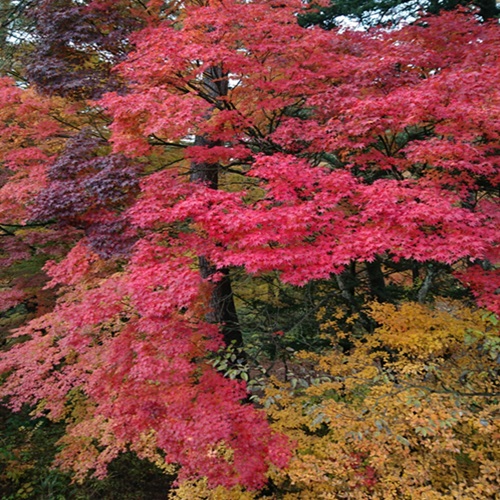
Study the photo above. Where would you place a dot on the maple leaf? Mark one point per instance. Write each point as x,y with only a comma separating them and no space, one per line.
307,153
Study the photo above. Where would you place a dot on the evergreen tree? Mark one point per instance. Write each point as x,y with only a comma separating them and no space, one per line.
373,12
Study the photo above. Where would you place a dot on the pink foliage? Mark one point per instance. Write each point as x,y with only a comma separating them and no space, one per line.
350,146
10,298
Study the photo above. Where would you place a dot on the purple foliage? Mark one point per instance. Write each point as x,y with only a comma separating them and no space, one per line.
113,183
62,201
78,155
89,191
113,238
77,44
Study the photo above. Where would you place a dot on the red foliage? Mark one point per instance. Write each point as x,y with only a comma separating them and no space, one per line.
402,116
361,144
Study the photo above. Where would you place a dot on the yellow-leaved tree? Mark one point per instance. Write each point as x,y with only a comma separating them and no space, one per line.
410,411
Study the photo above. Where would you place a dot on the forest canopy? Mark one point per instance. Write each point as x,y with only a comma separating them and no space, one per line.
248,252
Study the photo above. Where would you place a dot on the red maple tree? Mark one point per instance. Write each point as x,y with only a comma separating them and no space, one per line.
378,148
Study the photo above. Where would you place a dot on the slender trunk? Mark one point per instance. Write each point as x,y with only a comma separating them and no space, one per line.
346,284
427,284
347,281
376,280
222,307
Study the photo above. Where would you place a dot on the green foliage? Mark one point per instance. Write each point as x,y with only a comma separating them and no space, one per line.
14,40
371,13
276,317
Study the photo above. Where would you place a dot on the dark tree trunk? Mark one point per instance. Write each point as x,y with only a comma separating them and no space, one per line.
376,280
346,282
223,310
427,284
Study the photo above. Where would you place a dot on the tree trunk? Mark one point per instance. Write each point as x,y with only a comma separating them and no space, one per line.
346,284
223,309
427,284
377,280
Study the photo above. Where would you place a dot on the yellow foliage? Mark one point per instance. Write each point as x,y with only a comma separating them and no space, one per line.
410,412
199,490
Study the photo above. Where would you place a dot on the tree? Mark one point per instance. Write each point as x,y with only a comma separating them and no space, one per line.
370,13
337,156
30,137
75,44
361,143
14,42
409,413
